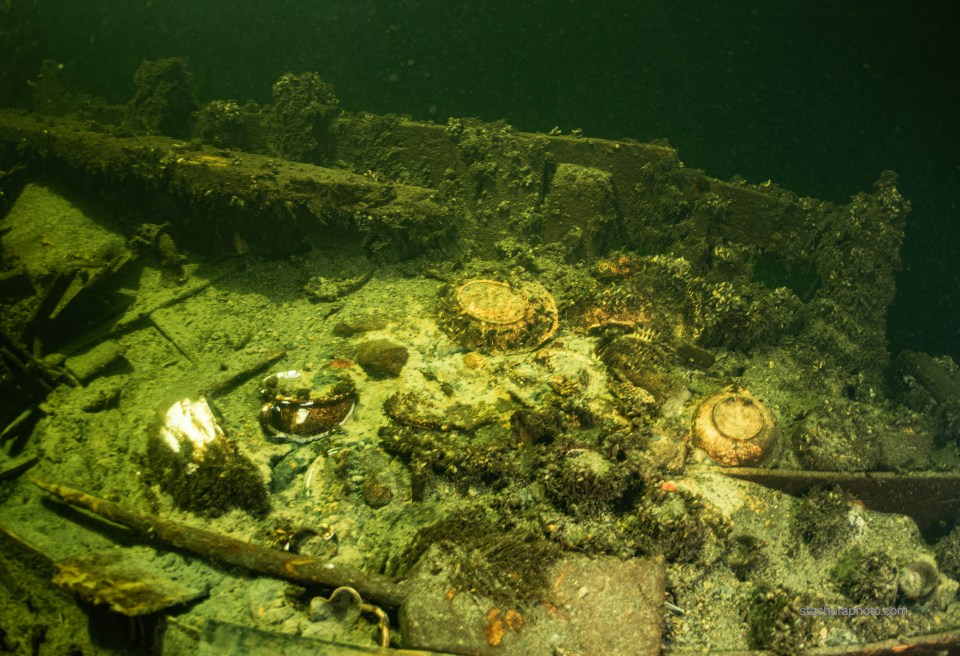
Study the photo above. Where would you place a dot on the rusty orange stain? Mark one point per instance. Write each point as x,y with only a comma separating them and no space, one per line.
493,627
292,566
513,619
669,486
562,575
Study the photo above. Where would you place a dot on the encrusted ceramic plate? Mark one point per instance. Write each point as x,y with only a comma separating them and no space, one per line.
493,316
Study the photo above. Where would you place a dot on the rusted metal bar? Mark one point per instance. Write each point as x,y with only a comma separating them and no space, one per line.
303,570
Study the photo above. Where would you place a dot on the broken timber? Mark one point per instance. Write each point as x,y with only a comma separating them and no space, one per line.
241,197
890,492
235,199
299,569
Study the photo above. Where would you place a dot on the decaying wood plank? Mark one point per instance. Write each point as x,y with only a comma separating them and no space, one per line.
295,568
938,492
933,643
225,202
124,583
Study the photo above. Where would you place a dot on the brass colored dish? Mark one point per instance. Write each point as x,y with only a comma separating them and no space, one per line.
492,302
735,428
491,316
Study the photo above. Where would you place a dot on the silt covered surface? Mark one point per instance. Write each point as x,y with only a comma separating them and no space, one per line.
493,451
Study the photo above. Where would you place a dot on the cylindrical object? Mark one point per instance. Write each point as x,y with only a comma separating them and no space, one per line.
89,364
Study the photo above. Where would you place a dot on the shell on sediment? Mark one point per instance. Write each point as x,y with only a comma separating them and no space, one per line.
293,412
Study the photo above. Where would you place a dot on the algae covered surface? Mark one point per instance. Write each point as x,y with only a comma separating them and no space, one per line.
460,355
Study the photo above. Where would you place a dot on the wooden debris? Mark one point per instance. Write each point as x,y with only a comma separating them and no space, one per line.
50,298
218,637
124,584
34,374
158,326
15,546
136,315
89,291
271,205
26,382
933,643
230,382
89,364
16,283
14,468
22,424
296,568
927,497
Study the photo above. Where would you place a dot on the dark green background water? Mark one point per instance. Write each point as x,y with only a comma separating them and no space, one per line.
819,96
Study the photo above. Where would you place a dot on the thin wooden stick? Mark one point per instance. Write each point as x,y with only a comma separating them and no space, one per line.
303,570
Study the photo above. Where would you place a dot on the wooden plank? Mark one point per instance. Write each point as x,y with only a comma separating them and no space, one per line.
928,497
267,204
218,638
124,583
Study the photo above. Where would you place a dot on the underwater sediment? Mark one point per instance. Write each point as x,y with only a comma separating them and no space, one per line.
521,375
